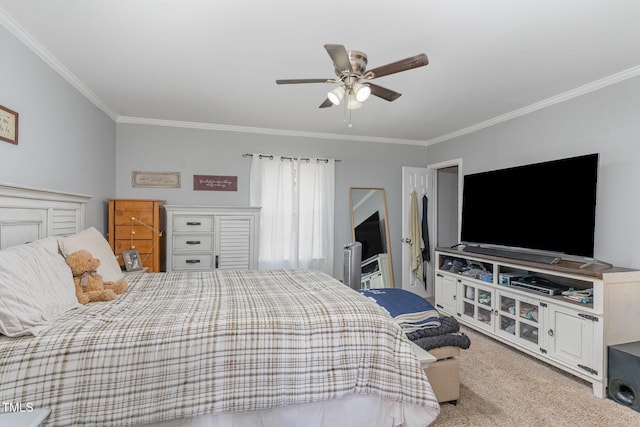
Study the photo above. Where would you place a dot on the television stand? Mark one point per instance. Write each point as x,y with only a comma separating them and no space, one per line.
506,253
375,272
596,262
572,335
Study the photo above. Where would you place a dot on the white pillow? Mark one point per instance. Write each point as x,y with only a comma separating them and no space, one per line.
36,286
93,241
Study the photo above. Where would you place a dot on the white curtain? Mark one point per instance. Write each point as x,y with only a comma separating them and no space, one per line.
296,220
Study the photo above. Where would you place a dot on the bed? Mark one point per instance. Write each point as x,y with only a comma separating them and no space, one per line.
278,347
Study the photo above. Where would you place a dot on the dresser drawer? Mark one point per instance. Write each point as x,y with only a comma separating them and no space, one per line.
124,218
133,232
132,205
193,242
141,246
193,262
192,223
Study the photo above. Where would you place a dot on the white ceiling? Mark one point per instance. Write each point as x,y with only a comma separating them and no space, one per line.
213,63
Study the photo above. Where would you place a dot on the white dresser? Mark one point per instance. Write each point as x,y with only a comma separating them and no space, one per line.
201,238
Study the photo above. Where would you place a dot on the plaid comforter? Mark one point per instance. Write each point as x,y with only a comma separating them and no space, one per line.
185,344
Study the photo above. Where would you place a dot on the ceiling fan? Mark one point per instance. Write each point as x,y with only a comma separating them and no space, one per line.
351,69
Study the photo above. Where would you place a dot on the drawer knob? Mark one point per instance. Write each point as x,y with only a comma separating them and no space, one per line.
192,261
193,242
133,232
194,223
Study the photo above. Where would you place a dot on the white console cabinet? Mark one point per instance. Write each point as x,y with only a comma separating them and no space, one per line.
568,334
204,238
375,272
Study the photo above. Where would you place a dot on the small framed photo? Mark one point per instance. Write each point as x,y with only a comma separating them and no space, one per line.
132,260
8,125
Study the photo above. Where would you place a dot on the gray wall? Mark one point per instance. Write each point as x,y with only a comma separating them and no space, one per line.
605,121
64,142
211,152
448,234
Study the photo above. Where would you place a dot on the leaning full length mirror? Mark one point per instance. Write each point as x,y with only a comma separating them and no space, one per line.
369,226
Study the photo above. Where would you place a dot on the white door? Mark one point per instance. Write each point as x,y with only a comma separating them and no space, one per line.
412,179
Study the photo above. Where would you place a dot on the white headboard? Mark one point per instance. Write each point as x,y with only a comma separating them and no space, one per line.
28,214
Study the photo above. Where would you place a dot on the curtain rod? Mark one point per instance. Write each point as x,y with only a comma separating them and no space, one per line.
287,157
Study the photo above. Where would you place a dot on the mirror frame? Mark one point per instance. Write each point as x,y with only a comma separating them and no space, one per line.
386,225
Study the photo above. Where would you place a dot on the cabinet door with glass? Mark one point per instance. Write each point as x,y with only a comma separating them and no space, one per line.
476,303
519,319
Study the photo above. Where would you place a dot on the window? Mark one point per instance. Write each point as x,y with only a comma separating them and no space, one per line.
296,220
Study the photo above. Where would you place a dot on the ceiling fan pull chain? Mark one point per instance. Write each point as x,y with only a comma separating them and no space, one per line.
344,111
348,105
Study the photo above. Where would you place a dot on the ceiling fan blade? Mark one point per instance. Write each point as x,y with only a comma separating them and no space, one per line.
339,56
402,65
296,81
326,104
384,93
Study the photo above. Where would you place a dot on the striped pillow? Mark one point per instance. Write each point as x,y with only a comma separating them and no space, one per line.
36,286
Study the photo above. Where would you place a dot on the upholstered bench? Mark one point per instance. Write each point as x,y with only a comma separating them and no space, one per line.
436,340
444,373
443,370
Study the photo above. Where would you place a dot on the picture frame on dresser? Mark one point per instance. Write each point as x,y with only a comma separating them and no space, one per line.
132,260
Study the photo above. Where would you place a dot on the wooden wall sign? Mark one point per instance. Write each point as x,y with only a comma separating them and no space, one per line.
155,179
215,183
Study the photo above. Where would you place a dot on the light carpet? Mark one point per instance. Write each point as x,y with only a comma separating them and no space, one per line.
501,386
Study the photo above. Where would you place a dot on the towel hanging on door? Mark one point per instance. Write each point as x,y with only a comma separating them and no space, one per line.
417,244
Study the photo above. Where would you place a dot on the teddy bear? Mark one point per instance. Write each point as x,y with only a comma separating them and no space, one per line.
89,284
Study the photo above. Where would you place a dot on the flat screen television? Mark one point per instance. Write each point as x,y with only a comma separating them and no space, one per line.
369,234
547,207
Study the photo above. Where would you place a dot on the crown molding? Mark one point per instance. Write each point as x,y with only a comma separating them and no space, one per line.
557,99
264,131
14,28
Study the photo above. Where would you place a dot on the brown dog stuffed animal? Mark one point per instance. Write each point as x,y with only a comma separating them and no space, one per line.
89,284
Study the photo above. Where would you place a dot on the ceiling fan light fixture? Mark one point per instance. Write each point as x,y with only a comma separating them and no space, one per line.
350,67
361,91
336,95
352,102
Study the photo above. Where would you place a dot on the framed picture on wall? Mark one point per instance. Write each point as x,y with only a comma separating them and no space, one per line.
143,179
8,125
132,260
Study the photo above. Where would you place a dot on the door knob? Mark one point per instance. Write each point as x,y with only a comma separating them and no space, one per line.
406,240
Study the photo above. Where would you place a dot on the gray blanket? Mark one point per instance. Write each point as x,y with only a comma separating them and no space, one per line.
448,334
